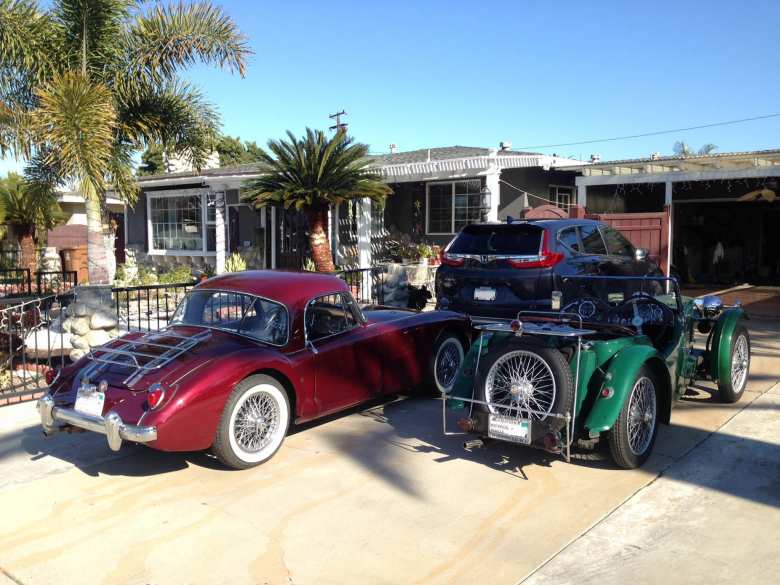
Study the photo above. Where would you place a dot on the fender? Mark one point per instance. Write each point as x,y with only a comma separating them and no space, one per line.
722,337
622,371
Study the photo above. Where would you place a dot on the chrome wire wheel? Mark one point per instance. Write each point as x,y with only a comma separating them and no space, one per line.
520,380
449,357
740,360
258,423
642,415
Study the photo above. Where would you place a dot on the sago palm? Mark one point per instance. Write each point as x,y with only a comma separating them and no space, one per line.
86,83
28,209
311,174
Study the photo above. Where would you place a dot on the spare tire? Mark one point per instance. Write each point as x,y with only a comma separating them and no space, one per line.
524,373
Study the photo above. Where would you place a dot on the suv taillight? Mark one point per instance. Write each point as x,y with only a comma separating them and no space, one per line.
545,259
451,259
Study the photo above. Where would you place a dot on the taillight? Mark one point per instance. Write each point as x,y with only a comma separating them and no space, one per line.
451,259
545,259
51,376
155,395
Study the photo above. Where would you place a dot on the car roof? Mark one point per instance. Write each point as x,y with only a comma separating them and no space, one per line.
294,289
545,223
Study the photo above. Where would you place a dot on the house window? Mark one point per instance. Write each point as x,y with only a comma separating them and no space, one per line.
177,224
452,205
561,196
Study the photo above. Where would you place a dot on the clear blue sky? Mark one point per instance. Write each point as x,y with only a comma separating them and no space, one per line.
437,73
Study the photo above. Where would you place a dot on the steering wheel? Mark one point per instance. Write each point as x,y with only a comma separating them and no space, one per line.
648,310
274,324
591,309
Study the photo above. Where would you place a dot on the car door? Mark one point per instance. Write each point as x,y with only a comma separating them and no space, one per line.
337,341
594,259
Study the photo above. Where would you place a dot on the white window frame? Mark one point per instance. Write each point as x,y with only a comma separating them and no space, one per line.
204,223
452,182
570,195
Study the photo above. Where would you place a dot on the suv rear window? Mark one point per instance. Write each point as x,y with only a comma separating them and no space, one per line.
506,239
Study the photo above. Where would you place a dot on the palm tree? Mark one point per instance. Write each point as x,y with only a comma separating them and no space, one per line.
682,148
85,84
28,210
311,174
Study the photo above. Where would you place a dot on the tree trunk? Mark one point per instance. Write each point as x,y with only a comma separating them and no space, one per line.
98,242
27,257
318,238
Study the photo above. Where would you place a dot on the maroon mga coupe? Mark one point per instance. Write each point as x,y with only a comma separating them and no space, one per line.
245,355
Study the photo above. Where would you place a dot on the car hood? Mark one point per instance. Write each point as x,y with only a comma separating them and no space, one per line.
385,314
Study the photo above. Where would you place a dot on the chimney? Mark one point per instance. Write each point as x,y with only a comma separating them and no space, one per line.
393,148
505,145
595,158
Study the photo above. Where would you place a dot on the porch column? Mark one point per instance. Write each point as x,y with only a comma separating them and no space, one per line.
582,194
273,237
669,208
364,232
492,182
334,233
219,216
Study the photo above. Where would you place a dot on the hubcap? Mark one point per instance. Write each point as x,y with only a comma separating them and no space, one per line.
447,363
740,360
256,422
641,415
520,379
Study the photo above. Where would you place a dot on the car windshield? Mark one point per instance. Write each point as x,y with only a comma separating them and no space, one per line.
629,301
500,239
241,313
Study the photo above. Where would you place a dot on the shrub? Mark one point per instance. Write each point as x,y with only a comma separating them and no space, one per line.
176,275
235,263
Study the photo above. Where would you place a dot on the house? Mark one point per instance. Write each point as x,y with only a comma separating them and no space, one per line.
199,217
722,209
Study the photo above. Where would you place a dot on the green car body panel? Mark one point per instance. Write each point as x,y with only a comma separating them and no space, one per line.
722,340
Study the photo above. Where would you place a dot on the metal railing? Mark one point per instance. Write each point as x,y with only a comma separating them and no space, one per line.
56,281
365,284
15,282
148,307
32,342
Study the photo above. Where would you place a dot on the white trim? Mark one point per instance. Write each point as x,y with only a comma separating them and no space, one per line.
172,194
572,194
364,232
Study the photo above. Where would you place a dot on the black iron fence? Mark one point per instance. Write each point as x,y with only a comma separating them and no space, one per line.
365,284
56,282
15,282
148,307
32,344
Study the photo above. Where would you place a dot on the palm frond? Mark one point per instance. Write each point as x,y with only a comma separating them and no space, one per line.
174,115
169,38
25,35
77,119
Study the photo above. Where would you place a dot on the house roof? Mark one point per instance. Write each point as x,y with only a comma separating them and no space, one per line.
443,153
748,159
421,164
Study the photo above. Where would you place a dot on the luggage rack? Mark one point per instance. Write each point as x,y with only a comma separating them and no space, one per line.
558,324
128,354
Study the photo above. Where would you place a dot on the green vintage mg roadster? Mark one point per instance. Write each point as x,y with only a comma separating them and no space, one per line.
609,361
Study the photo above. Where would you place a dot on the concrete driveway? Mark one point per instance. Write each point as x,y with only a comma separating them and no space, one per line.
376,496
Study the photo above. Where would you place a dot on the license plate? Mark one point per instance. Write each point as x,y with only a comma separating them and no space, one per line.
506,428
90,402
484,293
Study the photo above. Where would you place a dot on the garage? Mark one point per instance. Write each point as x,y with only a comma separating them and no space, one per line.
723,211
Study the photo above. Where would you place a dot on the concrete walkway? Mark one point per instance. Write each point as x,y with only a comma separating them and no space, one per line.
376,496
711,518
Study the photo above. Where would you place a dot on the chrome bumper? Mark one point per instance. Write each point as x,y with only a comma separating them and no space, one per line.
110,425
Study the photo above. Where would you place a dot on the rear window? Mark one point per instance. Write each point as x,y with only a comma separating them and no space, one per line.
510,239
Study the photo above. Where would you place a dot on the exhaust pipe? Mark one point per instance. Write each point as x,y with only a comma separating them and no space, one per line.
473,444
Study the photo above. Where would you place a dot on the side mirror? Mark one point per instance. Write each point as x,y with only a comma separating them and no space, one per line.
640,254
